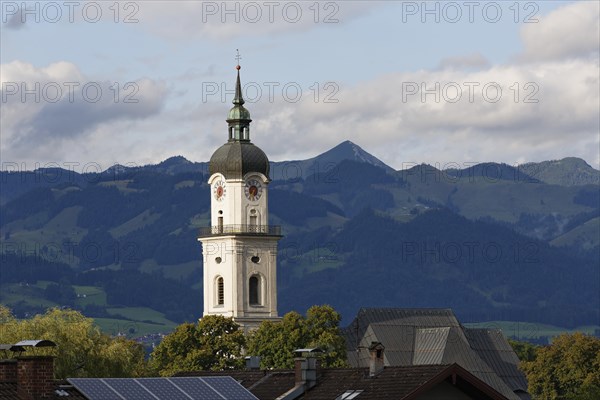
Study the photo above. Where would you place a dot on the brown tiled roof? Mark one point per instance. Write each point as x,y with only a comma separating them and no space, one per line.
8,391
273,385
398,383
392,383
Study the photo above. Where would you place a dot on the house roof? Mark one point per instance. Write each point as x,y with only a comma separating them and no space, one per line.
392,382
72,390
264,384
396,383
495,350
424,317
434,336
8,391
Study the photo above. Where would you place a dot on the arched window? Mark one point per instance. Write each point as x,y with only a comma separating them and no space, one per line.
220,291
254,290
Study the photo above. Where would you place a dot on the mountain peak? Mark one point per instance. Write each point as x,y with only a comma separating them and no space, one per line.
173,161
348,150
116,169
569,171
345,151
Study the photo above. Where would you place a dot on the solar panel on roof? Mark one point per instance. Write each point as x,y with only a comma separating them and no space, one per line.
196,388
184,388
228,387
94,389
129,389
163,389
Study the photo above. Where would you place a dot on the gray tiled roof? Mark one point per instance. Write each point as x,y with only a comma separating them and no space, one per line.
422,317
434,336
430,344
495,350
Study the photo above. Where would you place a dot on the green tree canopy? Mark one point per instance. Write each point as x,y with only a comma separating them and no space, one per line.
82,350
214,343
275,342
567,369
525,351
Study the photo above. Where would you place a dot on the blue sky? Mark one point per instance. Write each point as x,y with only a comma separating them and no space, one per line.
373,59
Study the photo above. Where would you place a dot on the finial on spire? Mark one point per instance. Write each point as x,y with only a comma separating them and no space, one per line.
238,58
238,99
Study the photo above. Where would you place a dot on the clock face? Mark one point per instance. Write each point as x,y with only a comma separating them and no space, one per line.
253,189
219,190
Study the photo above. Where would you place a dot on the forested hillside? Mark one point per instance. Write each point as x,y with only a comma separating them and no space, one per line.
491,241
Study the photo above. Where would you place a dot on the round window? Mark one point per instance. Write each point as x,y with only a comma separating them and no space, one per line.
218,260
255,259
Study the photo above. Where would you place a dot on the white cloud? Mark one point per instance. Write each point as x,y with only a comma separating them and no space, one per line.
563,122
227,20
470,61
560,70
53,112
569,31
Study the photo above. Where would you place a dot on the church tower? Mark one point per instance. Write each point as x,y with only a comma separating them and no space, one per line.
240,247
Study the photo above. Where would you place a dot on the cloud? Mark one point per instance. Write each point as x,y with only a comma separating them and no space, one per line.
196,73
471,61
49,107
13,16
545,111
227,20
548,107
569,31
381,115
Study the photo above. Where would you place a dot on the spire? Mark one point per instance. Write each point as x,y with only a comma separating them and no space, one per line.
238,118
238,99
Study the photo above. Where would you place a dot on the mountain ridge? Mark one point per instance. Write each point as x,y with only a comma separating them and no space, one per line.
113,232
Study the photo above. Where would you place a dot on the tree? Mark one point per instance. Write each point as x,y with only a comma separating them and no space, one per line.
82,350
214,343
524,350
567,369
275,342
323,327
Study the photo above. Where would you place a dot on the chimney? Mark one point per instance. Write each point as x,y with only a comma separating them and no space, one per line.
376,361
35,374
252,363
306,367
35,377
8,364
8,371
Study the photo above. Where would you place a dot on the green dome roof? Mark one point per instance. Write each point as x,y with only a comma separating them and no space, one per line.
238,112
235,159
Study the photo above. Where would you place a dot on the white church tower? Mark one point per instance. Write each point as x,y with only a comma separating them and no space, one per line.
240,247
